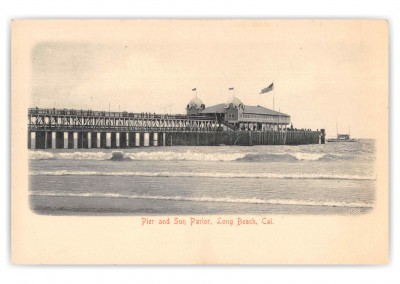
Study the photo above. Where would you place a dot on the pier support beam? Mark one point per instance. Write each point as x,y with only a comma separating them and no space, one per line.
98,140
131,139
53,140
45,144
122,139
93,140
127,139
108,140
117,140
46,140
40,142
66,136
103,140
75,140
146,139
163,137
29,139
89,140
113,140
137,139
82,140
155,139
32,140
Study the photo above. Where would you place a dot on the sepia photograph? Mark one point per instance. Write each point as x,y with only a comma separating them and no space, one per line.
215,123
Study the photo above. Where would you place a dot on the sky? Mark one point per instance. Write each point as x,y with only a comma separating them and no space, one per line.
325,73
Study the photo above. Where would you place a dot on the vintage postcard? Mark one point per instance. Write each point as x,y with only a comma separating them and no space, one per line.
200,141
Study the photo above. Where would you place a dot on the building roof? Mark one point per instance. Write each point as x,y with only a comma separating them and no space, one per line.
196,102
234,101
220,108
261,110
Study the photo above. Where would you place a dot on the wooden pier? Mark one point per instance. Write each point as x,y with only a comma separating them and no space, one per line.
73,129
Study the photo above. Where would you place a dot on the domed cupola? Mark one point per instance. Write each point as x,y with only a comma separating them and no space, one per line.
195,103
234,102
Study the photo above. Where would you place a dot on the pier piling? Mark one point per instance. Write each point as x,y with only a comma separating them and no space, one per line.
73,129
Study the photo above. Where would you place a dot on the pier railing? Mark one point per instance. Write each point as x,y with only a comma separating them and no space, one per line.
70,129
88,120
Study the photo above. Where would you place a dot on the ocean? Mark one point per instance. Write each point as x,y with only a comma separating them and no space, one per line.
334,178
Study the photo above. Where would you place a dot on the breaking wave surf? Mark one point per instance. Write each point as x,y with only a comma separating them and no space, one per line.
43,155
203,175
139,156
187,156
212,199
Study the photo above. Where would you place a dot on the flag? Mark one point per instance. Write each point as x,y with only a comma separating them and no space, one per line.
267,89
194,89
230,89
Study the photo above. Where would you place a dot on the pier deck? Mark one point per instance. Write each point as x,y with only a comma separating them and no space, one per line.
71,129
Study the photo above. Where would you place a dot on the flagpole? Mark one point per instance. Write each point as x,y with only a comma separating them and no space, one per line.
273,98
233,91
273,101
270,88
278,118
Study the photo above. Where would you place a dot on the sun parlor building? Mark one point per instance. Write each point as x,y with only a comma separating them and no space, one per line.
240,116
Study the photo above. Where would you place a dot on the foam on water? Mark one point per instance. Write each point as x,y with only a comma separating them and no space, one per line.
203,175
308,156
141,156
87,155
211,199
186,156
308,179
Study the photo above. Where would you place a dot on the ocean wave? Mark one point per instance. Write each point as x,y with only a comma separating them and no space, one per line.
138,156
186,156
43,155
308,156
335,157
293,157
212,199
269,157
203,175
